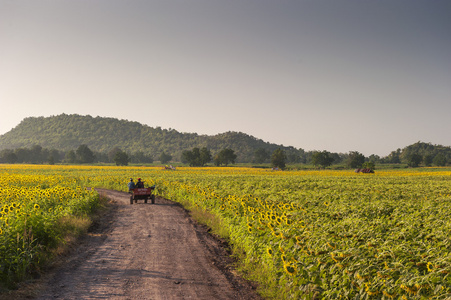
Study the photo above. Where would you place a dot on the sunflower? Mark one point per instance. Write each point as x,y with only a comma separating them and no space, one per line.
290,269
269,251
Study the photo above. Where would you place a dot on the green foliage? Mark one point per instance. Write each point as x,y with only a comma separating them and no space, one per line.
71,157
140,157
197,157
355,159
414,160
67,132
54,136
322,158
34,155
165,158
440,160
224,157
430,154
9,156
121,158
368,165
84,154
278,158
261,155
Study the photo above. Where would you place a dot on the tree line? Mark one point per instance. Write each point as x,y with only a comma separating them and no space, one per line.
418,154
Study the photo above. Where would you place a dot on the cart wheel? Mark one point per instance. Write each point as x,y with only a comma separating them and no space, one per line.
145,200
131,199
153,199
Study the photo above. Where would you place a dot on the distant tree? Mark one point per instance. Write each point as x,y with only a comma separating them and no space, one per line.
414,160
394,157
165,158
140,157
205,156
70,157
23,154
278,158
9,156
112,153
427,160
55,155
338,157
374,158
84,154
121,158
196,157
35,154
261,155
439,160
188,157
322,158
355,159
224,157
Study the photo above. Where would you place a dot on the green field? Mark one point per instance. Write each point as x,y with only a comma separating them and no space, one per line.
309,234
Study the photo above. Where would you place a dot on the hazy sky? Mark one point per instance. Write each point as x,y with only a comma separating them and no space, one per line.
367,76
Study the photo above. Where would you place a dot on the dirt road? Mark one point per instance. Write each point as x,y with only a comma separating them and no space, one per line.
147,251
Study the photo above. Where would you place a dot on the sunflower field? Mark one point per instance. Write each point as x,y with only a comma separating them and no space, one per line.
301,234
35,210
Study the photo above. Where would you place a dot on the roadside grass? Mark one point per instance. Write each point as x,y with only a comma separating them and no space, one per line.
243,265
29,276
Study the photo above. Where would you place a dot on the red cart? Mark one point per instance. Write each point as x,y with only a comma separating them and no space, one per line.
142,194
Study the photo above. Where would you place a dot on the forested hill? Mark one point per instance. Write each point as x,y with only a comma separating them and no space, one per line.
67,132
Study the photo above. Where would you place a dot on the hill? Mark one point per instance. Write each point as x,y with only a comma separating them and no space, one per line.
67,132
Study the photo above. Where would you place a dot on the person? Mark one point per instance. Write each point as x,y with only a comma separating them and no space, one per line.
140,184
131,185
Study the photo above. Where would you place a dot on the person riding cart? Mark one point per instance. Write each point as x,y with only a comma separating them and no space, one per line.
138,192
131,185
140,184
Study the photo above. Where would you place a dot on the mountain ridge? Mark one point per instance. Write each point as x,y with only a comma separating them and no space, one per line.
67,131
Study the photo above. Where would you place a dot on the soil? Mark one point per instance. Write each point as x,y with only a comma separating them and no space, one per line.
146,251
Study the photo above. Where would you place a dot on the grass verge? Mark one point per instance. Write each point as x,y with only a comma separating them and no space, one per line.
28,282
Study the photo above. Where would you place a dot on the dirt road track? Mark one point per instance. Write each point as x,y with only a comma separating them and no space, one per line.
147,251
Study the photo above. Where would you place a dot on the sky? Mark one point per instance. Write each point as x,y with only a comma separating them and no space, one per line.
338,75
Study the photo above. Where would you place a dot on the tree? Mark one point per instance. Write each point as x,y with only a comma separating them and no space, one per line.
374,158
225,156
394,157
70,157
140,157
196,157
84,154
121,158
414,160
355,159
261,155
205,156
278,158
9,156
112,153
165,158
427,160
439,160
322,159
